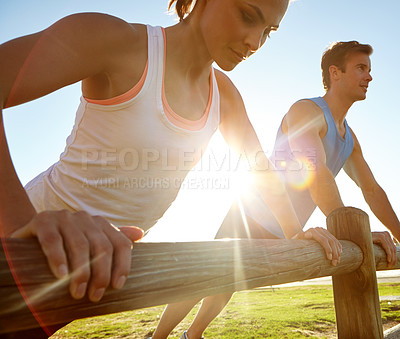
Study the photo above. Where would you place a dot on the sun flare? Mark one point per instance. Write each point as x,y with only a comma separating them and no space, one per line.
303,177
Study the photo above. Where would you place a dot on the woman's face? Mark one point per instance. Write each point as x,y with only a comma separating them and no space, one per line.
235,29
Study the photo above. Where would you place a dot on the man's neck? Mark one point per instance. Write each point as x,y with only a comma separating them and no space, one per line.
338,106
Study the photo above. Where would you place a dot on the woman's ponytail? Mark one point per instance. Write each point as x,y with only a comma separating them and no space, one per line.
182,7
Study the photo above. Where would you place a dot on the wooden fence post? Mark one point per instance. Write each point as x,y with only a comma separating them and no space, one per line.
358,313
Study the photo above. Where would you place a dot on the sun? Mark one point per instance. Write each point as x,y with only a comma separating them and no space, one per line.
241,180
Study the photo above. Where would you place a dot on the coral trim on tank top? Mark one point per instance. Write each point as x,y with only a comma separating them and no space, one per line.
134,91
177,120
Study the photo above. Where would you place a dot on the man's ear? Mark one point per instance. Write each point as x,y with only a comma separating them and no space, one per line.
335,72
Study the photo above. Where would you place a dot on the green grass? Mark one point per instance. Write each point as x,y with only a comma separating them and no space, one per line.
290,312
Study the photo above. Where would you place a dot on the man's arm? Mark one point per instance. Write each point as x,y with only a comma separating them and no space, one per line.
358,170
305,125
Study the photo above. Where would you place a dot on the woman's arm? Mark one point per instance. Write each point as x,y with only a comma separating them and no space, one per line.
240,135
78,47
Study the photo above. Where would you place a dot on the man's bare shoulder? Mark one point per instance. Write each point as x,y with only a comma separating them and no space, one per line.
304,113
305,107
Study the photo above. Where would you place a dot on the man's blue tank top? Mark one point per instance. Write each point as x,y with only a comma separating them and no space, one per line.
337,150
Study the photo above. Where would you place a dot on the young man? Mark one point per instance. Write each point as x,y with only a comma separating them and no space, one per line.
313,143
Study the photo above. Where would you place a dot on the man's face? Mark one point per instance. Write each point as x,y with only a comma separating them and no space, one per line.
354,81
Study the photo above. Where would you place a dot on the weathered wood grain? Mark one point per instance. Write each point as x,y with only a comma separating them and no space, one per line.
163,273
357,308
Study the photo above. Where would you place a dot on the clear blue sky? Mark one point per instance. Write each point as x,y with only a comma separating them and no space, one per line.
284,70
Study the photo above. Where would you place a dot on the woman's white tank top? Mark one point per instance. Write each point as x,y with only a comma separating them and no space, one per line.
126,161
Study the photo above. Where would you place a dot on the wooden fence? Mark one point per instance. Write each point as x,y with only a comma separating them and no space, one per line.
169,272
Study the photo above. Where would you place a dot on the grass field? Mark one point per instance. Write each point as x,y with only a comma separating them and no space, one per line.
290,312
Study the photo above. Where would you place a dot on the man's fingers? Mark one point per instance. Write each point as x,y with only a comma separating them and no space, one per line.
330,244
390,253
324,242
385,241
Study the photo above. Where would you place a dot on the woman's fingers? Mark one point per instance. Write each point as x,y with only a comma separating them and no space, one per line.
92,250
101,251
122,253
78,251
122,256
133,233
50,239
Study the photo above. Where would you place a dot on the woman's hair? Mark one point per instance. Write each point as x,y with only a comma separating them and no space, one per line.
337,54
182,7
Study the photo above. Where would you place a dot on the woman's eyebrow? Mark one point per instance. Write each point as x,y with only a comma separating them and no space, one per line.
259,13
261,16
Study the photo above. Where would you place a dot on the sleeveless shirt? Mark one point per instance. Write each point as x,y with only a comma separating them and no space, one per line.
337,150
127,161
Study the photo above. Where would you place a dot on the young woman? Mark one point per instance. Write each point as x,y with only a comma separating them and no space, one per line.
149,96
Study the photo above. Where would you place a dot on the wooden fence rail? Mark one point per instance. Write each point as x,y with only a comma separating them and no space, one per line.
167,272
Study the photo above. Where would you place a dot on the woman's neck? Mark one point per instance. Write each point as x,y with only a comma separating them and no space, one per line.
187,53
